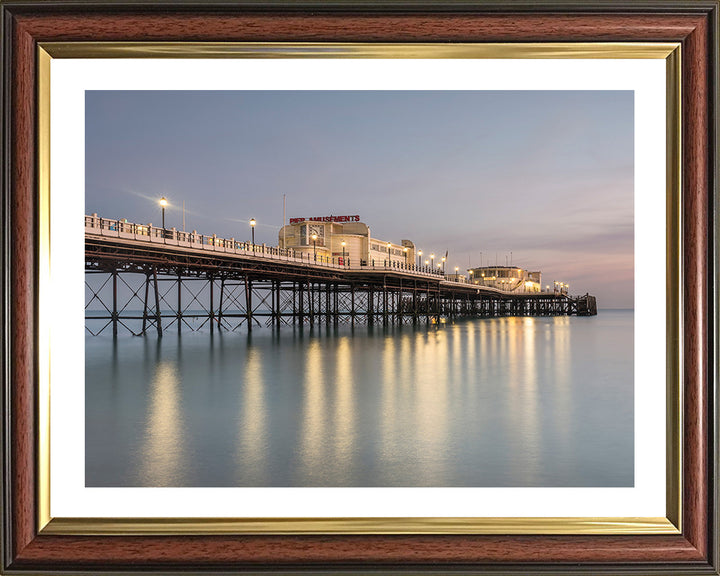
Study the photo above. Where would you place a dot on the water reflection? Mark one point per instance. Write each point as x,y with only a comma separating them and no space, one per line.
499,402
162,460
252,442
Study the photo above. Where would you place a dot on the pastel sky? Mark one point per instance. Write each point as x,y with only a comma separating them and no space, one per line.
546,175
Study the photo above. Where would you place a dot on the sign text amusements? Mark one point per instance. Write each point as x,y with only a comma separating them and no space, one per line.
354,218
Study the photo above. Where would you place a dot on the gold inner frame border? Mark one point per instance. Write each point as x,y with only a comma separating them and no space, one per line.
670,524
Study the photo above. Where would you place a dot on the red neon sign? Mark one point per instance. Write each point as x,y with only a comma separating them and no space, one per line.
354,218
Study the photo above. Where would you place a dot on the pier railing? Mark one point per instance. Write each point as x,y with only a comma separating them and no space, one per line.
122,229
193,240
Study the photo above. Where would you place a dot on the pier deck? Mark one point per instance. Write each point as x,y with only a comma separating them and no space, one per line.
190,280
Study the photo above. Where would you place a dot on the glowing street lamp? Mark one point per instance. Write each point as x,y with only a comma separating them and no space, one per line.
343,245
443,264
388,247
432,259
314,239
163,203
406,255
252,227
419,257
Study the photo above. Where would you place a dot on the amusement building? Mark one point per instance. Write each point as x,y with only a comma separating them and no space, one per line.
347,241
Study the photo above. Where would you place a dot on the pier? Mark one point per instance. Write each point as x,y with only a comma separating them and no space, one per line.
155,279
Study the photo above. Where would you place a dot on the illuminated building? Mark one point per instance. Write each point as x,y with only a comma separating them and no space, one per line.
508,278
343,239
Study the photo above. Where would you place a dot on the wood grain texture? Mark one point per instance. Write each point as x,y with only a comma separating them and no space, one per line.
695,206
688,552
222,551
359,28
22,293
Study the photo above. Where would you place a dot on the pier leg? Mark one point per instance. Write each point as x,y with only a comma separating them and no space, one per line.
398,304
311,298
277,303
248,302
327,304
212,304
157,303
385,305
294,302
336,306
179,302
370,306
414,303
222,298
115,311
145,305
300,302
352,304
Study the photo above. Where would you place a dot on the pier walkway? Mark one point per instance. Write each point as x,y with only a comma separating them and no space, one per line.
154,278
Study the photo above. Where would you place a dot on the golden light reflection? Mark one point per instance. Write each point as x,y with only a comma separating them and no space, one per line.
252,433
313,434
344,417
562,361
163,448
391,418
529,399
431,409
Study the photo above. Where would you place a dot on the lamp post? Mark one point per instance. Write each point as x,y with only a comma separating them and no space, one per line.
406,255
443,262
419,258
426,263
432,260
471,276
163,203
252,227
388,247
314,239
343,245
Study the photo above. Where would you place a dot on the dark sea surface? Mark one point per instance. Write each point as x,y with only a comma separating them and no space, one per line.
489,402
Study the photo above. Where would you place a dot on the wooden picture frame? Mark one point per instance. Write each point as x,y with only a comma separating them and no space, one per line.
29,548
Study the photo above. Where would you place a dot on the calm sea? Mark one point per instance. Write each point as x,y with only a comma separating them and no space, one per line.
487,402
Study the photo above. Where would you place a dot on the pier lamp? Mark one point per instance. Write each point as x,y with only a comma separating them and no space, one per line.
456,270
314,239
443,262
163,203
432,259
427,262
343,245
406,254
388,247
419,258
252,227
471,275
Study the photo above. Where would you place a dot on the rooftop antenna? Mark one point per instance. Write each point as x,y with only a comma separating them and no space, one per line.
284,246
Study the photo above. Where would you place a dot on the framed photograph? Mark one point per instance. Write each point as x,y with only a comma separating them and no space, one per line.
360,286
